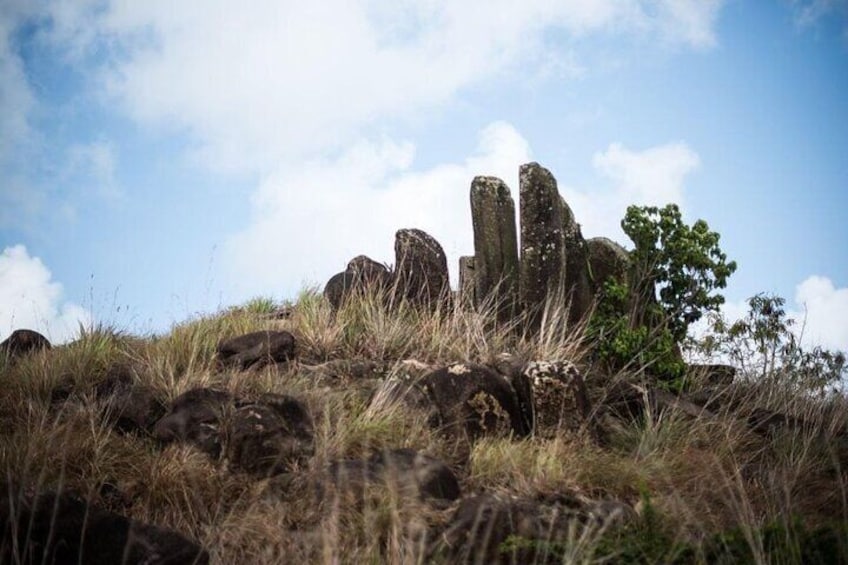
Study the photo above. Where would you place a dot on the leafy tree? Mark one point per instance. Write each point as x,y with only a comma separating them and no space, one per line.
675,272
764,345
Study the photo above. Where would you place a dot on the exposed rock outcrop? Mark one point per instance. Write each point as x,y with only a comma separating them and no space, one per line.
407,472
421,269
21,342
607,259
271,435
257,349
579,291
62,528
542,267
495,244
481,527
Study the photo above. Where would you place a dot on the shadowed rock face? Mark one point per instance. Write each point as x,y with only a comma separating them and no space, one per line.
269,436
409,473
476,400
542,266
578,284
481,524
266,436
257,349
607,259
61,528
361,274
421,268
495,243
195,417
560,399
22,342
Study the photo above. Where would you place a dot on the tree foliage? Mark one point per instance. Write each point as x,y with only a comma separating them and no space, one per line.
764,344
676,271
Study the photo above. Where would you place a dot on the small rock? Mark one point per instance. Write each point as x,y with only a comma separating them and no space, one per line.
195,417
272,435
22,342
257,349
62,528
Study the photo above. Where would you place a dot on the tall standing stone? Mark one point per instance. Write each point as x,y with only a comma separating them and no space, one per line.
495,243
421,268
542,267
578,282
466,281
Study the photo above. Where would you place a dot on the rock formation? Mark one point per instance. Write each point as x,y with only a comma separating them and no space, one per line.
257,349
607,259
495,244
542,267
421,269
63,528
22,342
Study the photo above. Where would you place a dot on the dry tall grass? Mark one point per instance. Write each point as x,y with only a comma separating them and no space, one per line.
698,483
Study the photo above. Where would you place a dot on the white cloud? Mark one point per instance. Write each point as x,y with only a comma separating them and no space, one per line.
312,220
821,311
653,176
30,299
16,97
282,80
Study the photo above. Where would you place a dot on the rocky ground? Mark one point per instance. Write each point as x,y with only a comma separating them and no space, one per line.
401,434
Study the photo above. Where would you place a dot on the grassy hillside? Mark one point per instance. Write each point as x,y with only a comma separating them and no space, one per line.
721,486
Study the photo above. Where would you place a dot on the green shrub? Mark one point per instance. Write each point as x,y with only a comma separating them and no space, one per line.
675,271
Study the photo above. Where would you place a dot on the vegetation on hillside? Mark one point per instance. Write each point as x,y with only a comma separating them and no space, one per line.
711,488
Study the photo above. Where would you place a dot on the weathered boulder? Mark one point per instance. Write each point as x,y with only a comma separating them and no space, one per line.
560,400
475,400
407,472
257,349
271,435
369,273
134,409
338,288
579,291
607,259
22,342
481,527
542,266
195,417
421,269
495,244
62,528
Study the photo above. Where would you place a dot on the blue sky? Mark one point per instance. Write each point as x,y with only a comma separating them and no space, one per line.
160,159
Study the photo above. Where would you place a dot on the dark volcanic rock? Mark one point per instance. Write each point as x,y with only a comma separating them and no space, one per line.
578,283
560,399
480,526
542,266
409,473
421,268
22,342
338,288
134,409
61,528
477,401
361,275
369,273
495,244
257,349
607,259
195,417
272,435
